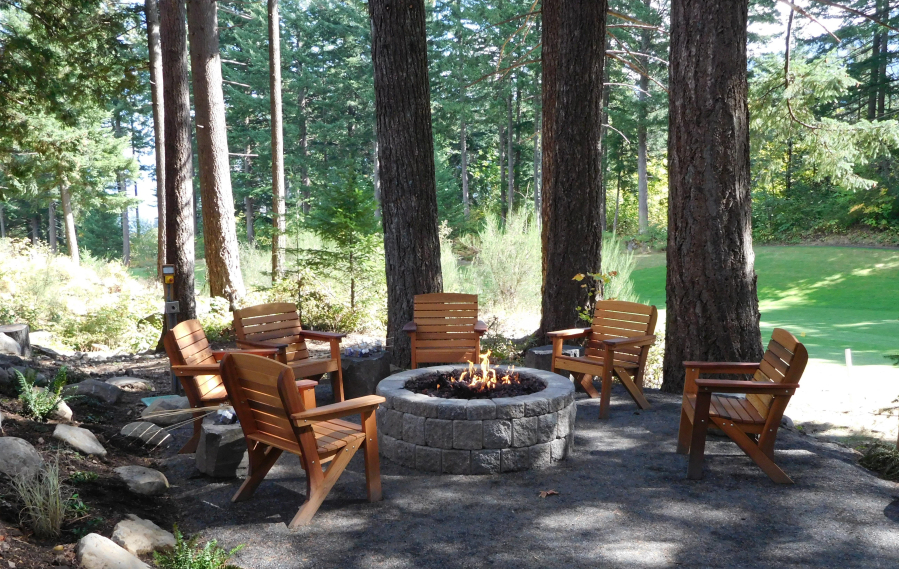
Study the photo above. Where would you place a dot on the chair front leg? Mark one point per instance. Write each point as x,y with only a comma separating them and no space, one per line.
337,376
700,429
262,458
372,461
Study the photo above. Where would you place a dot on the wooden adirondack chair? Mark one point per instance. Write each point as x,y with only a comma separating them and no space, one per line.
622,333
445,328
197,368
278,325
752,422
274,419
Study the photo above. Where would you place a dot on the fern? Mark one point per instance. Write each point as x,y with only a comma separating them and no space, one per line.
188,555
41,403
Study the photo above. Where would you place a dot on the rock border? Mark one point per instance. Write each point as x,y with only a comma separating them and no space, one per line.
476,436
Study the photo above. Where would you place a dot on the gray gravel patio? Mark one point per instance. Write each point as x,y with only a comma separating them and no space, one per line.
624,501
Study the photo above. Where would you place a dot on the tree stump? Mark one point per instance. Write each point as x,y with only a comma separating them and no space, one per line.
14,340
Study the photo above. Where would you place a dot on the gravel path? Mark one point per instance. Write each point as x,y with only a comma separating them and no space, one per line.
623,501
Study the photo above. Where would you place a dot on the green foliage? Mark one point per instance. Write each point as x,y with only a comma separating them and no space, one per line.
83,477
37,402
189,555
883,460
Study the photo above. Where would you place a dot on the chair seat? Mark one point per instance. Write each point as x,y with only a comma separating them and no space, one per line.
732,409
586,364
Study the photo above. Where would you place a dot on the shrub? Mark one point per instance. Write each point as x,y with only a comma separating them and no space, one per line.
43,500
188,555
37,402
882,459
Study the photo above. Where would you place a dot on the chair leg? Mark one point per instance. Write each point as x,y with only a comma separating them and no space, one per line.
606,395
754,452
635,392
585,380
262,459
191,445
700,429
319,491
372,460
685,433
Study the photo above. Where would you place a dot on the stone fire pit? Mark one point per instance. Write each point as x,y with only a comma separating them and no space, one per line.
476,436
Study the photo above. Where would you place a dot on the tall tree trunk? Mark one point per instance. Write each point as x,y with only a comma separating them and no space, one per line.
2,223
466,202
179,192
304,151
136,212
51,227
279,210
35,228
642,182
406,146
712,304
617,203
123,191
874,85
517,160
573,55
251,231
219,231
537,190
376,178
151,11
69,219
502,172
883,81
510,157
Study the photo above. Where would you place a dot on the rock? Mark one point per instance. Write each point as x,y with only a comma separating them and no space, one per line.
145,434
144,481
79,439
9,346
45,351
131,383
160,411
221,450
94,388
141,537
542,357
361,375
96,552
786,422
19,458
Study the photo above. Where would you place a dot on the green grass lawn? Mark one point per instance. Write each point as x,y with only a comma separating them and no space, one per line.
834,297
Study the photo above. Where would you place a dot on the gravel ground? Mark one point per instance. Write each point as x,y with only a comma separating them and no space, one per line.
624,501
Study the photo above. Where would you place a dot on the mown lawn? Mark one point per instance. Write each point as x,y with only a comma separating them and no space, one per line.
837,297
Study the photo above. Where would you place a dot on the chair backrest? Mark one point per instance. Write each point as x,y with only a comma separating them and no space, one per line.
276,323
620,319
784,362
264,395
186,344
446,320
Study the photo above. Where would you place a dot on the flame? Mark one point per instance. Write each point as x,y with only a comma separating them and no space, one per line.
484,377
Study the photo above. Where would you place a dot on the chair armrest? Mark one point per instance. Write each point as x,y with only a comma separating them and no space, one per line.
410,328
630,342
304,384
262,345
723,367
190,371
758,387
323,336
571,333
335,410
480,328
266,352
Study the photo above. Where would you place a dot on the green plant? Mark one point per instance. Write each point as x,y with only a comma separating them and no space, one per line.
44,505
82,477
882,459
38,402
188,555
77,506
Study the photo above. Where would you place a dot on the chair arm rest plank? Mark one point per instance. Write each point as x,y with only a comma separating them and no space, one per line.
322,336
630,342
570,333
723,367
303,384
342,409
262,345
190,371
762,387
220,354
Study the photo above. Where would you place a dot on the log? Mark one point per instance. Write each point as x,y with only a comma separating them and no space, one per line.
14,339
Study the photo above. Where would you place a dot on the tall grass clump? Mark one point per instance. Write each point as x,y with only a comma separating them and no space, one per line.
43,500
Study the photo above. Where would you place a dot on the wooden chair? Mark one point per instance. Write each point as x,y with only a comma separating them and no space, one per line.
274,419
752,422
622,333
278,325
445,328
197,368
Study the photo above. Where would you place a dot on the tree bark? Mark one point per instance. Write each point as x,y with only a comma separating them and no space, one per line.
537,189
502,172
712,304
466,202
573,56
219,231
51,226
376,178
279,210
2,223
20,334
883,80
510,156
304,151
123,190
642,181
69,219
406,147
151,11
617,203
179,193
604,148
874,85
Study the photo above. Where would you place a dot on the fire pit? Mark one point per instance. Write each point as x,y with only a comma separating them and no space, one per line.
474,419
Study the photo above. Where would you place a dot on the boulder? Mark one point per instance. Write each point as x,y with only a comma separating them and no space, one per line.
221,450
97,389
542,357
142,480
19,458
145,434
128,383
160,411
141,537
97,552
361,375
80,439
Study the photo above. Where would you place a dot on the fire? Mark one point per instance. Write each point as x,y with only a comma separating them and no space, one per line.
485,378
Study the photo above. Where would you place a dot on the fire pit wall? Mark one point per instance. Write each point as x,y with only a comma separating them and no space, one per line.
476,436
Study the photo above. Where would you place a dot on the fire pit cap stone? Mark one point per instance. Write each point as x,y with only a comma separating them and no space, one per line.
452,408
480,409
509,407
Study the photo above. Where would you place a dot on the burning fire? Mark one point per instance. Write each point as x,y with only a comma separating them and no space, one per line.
485,377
